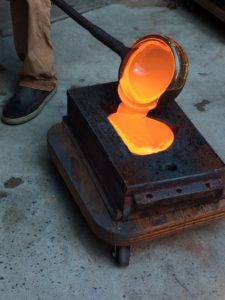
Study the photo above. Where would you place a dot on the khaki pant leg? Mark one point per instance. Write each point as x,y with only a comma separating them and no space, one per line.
31,23
19,12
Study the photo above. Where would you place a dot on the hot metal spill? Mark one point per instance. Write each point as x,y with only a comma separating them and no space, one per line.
146,76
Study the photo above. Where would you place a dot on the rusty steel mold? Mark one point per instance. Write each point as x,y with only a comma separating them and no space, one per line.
134,184
127,198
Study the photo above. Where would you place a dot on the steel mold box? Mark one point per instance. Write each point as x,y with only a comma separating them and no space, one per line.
188,172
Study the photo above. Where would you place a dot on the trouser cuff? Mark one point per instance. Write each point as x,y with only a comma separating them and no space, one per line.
43,85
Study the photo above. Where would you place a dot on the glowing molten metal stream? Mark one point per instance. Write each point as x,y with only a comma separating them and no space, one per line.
147,74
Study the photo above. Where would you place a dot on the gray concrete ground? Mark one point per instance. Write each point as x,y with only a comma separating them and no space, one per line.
46,249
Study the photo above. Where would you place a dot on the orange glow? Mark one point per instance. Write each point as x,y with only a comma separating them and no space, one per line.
146,75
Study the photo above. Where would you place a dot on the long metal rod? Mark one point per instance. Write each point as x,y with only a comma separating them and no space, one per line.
108,40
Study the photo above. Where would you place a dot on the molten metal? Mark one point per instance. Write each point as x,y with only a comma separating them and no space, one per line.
146,76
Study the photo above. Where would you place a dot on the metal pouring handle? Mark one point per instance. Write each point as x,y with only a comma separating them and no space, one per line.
108,40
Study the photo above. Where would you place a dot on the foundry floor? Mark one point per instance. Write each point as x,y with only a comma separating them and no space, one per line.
46,249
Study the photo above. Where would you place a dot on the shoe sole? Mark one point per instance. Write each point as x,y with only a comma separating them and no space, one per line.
22,120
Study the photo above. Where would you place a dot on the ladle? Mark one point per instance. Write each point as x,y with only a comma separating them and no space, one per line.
127,53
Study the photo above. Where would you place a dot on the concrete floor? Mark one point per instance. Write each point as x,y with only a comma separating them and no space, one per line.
46,249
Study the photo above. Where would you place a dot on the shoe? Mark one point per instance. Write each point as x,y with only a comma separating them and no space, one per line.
25,104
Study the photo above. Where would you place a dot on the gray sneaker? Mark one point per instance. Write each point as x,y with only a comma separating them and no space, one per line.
25,104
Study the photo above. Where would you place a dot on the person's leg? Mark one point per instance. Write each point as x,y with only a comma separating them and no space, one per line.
31,27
